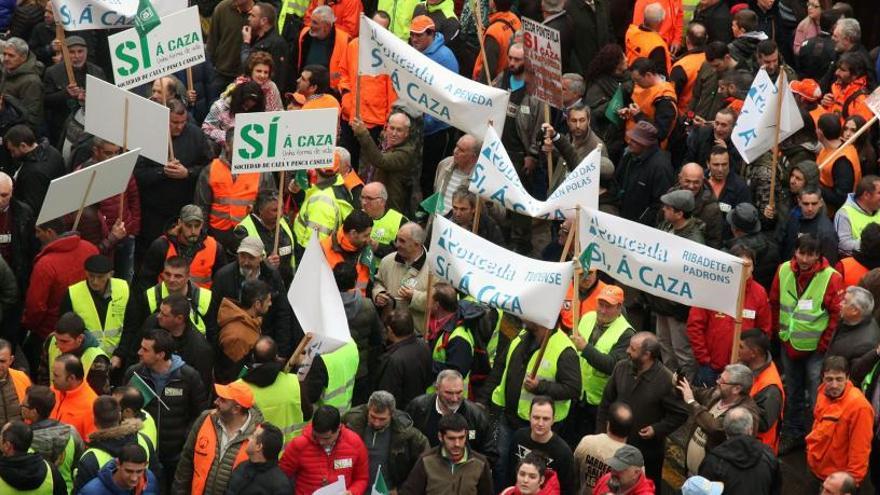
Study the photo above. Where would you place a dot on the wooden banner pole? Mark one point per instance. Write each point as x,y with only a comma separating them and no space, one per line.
278,218
836,153
82,204
478,13
780,82
65,53
738,321
477,212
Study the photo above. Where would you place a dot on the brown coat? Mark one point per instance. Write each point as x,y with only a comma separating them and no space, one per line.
712,426
239,330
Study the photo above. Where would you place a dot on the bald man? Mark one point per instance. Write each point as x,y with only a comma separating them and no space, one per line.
691,178
386,221
18,244
395,165
402,278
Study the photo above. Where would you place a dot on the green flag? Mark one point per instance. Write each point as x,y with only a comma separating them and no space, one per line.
615,104
302,179
146,391
146,18
585,258
379,487
433,203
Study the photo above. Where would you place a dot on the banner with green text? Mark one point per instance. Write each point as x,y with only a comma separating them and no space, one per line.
78,15
289,140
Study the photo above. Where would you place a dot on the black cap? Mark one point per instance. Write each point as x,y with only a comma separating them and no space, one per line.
99,263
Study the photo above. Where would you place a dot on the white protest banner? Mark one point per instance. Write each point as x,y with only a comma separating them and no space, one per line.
316,302
873,102
495,179
275,141
543,61
107,178
77,15
661,263
174,44
147,120
525,287
755,130
429,87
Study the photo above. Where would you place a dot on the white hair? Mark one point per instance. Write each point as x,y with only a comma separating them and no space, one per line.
849,28
654,14
324,13
19,45
861,299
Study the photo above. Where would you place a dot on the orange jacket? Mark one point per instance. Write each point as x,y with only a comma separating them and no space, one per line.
75,408
340,45
769,377
690,64
852,271
502,26
321,101
850,99
841,436
205,453
826,177
339,249
21,382
377,94
640,42
672,27
201,268
645,98
588,304
348,14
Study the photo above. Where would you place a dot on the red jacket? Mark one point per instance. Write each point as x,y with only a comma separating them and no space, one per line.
551,485
305,461
644,487
711,332
841,436
57,266
831,302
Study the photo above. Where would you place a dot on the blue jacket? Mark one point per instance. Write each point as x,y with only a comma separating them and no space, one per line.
7,7
103,484
440,53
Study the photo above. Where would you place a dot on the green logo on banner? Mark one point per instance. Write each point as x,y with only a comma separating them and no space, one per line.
147,18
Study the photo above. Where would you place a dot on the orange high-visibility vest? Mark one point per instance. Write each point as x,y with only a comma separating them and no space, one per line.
852,271
587,305
205,452
641,42
769,378
202,265
826,178
690,64
502,26
233,196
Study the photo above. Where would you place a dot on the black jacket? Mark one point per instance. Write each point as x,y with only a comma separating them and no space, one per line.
853,342
814,56
717,21
192,347
279,323
37,169
594,19
819,227
273,44
57,103
264,478
111,440
27,472
745,466
766,256
420,408
186,398
642,180
404,369
24,242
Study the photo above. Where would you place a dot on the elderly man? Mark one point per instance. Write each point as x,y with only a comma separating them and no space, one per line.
402,278
386,221
100,300
260,35
644,174
394,166
322,43
21,77
455,171
61,96
393,442
857,333
839,483
224,41
847,37
643,39
464,207
708,408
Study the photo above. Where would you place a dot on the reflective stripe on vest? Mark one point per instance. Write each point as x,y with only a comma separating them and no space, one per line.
321,213
592,380
492,346
250,227
769,378
439,354
202,265
557,343
87,358
802,327
385,229
858,219
281,404
47,487
232,195
109,332
205,453
342,365
159,292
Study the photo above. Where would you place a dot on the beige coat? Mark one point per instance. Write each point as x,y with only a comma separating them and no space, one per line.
392,274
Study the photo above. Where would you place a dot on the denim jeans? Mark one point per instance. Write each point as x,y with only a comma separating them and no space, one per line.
802,378
504,437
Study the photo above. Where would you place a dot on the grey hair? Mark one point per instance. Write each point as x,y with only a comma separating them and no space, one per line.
578,85
849,28
344,155
478,145
405,115
416,232
654,14
446,375
19,45
740,374
383,191
862,299
381,401
739,421
325,13
463,193
5,179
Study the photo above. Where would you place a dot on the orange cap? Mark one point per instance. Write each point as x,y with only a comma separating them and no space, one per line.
421,23
236,391
335,168
807,88
611,294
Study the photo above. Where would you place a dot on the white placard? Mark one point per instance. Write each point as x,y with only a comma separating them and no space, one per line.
495,179
335,488
65,193
147,120
525,287
316,302
543,53
78,15
274,141
661,263
755,130
173,45
429,87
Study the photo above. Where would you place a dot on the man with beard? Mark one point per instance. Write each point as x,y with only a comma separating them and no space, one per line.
241,322
647,386
627,474
581,139
770,60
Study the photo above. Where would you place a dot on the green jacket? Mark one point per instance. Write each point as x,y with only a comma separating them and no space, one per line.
394,168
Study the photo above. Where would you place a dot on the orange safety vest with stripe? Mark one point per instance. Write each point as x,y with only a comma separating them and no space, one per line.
690,64
769,378
352,180
826,177
502,27
335,257
20,382
852,271
233,196
205,453
202,265
588,304
640,42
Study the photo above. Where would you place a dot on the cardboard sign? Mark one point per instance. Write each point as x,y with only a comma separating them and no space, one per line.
274,141
543,54
78,15
147,120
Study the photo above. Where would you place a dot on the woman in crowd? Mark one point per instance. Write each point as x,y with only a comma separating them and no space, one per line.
533,477
245,97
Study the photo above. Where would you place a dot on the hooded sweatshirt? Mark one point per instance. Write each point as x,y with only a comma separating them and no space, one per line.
161,379
440,53
550,487
28,472
103,484
744,465
110,440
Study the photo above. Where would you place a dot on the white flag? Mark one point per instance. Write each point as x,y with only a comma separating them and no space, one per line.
495,179
428,86
78,15
755,130
315,300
